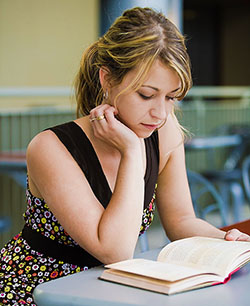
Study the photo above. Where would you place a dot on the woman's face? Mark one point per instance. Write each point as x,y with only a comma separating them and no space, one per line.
147,108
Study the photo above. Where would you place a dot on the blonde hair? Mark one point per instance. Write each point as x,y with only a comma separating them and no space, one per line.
135,40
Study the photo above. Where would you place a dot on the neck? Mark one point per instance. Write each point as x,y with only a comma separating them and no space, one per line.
98,143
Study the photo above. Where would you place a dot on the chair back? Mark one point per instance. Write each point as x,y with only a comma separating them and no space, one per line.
234,145
206,199
238,154
224,155
246,176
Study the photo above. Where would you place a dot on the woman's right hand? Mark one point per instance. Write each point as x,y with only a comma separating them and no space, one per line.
112,131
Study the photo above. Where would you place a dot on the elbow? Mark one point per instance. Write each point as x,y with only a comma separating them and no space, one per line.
115,250
116,255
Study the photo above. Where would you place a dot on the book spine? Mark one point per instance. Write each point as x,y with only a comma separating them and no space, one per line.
227,279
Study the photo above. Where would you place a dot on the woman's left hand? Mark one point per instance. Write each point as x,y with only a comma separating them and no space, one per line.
236,235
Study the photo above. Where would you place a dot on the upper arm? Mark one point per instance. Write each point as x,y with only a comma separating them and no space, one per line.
54,173
173,195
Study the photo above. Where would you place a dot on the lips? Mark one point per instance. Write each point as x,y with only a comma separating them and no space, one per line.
151,126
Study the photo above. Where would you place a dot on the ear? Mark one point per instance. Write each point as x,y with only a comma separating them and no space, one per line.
103,76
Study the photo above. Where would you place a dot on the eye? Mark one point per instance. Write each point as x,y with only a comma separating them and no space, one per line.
171,99
144,96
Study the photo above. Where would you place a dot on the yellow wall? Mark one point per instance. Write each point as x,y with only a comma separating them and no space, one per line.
42,40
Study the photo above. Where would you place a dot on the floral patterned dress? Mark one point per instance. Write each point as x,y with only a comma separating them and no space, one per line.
26,261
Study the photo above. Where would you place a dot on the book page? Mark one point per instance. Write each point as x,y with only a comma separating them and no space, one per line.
214,255
158,285
155,269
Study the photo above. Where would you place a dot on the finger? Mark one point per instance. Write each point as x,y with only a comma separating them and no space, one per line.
98,120
97,114
232,235
110,114
236,235
100,110
243,237
94,111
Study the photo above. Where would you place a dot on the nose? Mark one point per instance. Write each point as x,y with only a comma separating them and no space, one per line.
161,109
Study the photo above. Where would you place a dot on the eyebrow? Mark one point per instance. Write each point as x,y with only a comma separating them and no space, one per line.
157,89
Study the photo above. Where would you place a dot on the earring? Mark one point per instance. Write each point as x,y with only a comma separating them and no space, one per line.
106,95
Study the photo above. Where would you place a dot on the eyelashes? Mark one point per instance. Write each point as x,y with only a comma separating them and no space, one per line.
168,98
145,97
172,99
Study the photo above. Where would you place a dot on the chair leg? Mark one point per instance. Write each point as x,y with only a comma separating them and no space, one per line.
224,191
143,240
238,201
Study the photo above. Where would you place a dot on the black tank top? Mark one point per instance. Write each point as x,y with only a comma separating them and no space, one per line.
81,149
78,144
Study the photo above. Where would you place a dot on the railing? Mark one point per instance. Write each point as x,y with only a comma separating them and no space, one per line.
17,128
202,93
35,92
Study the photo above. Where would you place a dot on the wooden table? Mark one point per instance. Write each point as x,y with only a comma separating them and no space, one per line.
243,226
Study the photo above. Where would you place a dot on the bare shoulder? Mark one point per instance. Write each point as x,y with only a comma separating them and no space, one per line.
170,138
48,158
41,139
45,156
46,150
45,144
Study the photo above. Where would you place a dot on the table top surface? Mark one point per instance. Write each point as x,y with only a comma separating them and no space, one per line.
211,142
85,288
13,160
13,156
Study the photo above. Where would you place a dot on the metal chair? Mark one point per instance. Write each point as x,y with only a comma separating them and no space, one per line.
228,178
246,176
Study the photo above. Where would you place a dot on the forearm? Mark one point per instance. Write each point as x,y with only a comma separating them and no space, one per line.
192,226
120,222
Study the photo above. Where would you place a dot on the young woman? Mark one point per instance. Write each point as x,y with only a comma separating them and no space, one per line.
92,182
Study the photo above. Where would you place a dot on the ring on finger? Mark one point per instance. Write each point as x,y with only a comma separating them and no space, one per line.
100,117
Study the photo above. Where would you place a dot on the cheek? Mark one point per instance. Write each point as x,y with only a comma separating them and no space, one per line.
131,109
169,108
127,117
130,116
125,108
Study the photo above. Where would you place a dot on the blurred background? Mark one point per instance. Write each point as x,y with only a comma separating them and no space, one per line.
41,43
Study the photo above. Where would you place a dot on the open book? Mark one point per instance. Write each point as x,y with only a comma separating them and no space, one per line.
182,265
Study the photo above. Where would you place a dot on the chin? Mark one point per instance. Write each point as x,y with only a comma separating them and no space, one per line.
144,134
